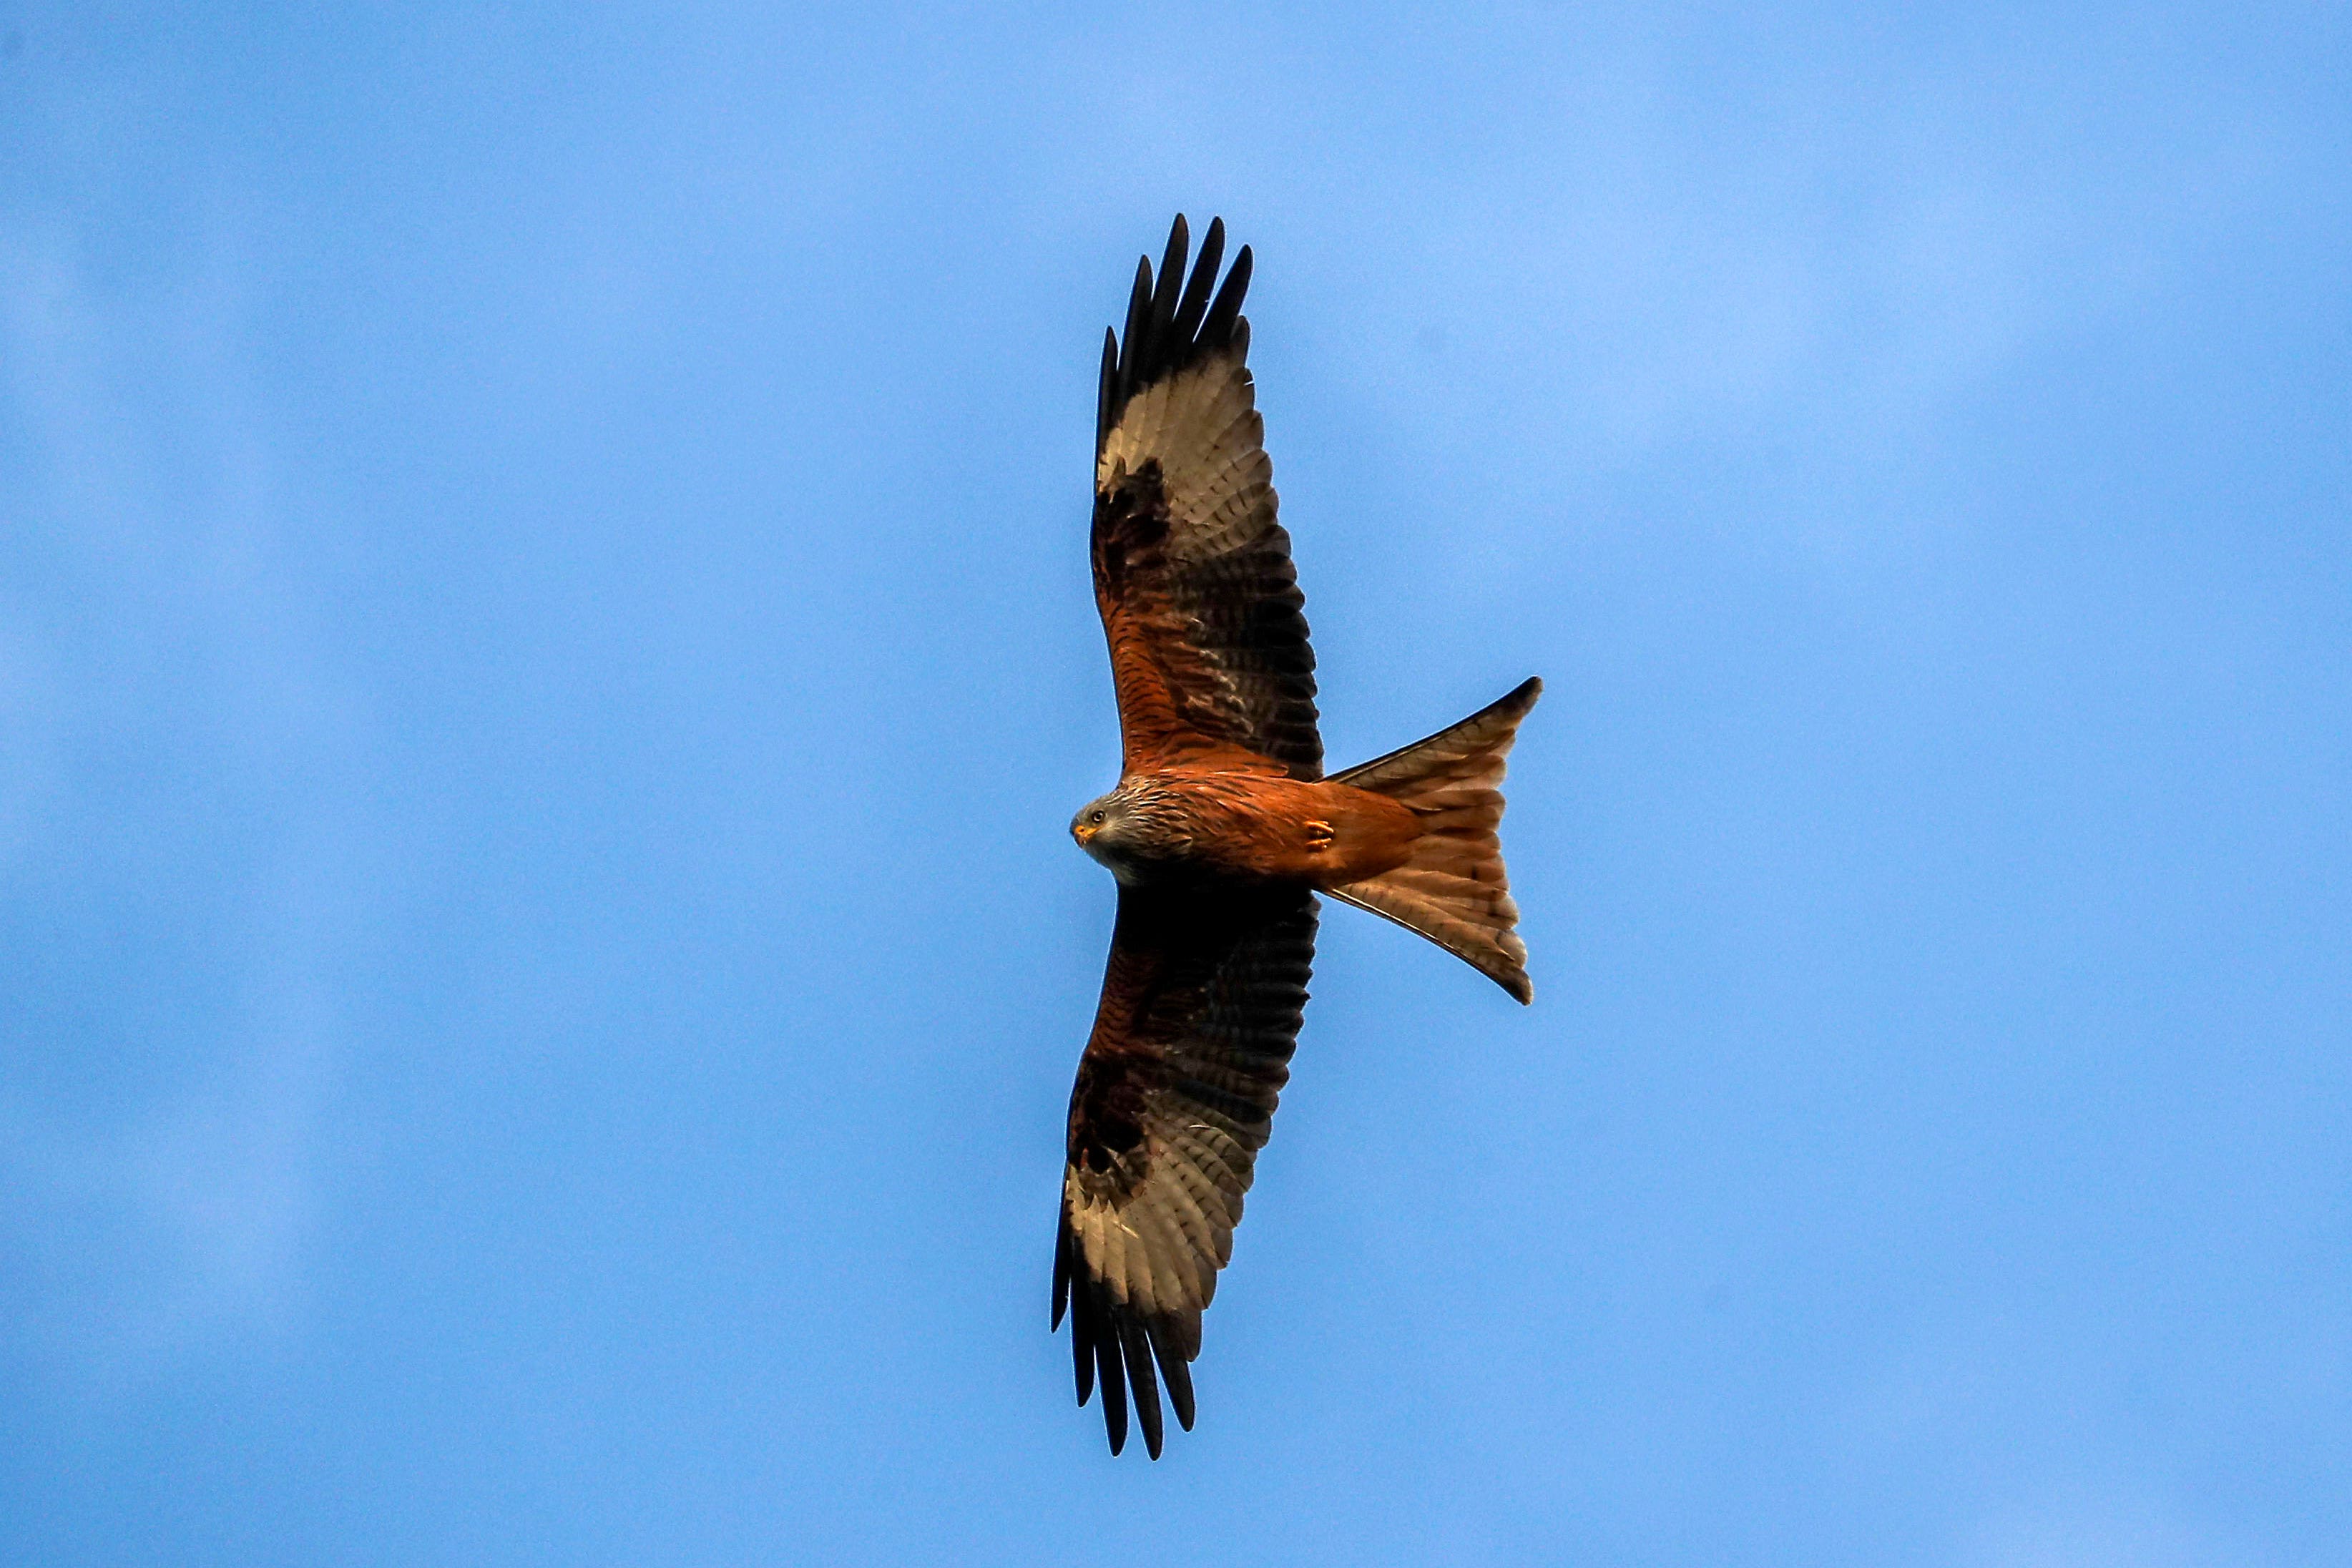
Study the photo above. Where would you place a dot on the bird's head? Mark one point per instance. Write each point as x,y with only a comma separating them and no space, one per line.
1105,829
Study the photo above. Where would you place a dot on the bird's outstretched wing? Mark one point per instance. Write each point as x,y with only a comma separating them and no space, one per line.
1200,1007
1193,573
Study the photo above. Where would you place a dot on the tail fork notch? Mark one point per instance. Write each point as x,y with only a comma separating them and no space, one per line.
1454,891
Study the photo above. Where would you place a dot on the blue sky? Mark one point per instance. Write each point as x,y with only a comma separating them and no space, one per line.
545,657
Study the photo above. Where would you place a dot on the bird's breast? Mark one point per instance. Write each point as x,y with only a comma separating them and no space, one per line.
1258,827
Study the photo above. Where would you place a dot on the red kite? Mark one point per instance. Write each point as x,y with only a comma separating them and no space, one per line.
1221,832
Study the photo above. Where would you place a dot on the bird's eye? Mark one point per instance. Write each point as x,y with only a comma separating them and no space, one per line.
1097,817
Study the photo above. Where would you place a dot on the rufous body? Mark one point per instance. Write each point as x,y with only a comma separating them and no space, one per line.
1236,818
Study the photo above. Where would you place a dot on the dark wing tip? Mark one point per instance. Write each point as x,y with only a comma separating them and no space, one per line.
1195,304
1172,273
1107,390
1110,1372
1173,1373
1216,331
1115,1347
1139,1383
1082,1335
1131,340
1170,327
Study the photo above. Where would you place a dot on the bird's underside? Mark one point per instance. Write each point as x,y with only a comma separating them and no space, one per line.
1222,832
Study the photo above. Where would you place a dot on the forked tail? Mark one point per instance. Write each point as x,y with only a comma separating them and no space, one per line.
1454,891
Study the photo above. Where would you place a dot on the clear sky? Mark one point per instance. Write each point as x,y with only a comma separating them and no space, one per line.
545,657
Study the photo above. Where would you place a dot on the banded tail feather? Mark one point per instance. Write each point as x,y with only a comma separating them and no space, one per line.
1454,891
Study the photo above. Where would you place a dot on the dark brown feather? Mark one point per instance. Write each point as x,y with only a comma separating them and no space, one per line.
1192,572
1176,1094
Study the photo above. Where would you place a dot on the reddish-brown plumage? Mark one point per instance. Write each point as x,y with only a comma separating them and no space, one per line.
1222,832
1242,818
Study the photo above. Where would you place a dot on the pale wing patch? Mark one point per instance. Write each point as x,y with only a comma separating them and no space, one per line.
1158,1243
1188,451
1201,426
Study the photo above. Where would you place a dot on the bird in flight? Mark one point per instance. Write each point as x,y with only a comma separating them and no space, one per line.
1222,830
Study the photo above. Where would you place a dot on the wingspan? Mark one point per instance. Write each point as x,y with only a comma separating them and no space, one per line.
1193,573
1200,1007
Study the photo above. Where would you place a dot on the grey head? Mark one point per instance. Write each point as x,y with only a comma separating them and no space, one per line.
1107,828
